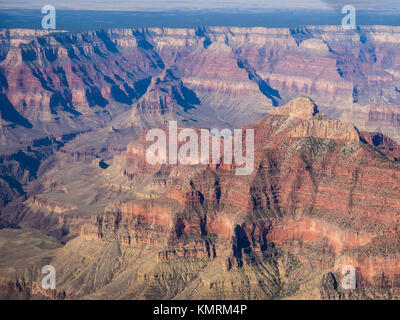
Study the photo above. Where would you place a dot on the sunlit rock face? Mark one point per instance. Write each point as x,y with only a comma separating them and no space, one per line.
322,196
239,74
324,193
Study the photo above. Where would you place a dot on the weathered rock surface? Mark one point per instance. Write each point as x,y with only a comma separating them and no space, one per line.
82,80
102,88
321,196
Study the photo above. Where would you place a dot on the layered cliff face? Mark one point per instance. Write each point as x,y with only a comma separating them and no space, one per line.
102,88
322,195
83,80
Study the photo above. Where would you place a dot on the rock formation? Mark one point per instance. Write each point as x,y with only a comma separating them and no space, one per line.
323,195
102,88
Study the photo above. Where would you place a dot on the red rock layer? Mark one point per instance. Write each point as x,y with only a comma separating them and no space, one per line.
327,198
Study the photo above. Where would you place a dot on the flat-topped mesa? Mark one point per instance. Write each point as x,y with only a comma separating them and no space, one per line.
316,124
301,107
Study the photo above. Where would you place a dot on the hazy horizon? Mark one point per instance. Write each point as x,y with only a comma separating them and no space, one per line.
81,20
162,5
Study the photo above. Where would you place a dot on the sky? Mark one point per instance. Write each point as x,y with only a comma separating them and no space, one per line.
159,5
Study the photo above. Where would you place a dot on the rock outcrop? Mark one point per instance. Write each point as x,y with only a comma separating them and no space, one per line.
105,87
321,196
238,74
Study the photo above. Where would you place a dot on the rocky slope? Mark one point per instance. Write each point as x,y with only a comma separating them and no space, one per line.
47,78
322,195
102,88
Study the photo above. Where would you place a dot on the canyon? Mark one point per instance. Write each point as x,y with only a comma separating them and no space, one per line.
78,193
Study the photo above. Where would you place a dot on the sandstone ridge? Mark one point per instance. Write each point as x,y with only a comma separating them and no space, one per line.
319,198
302,108
315,124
